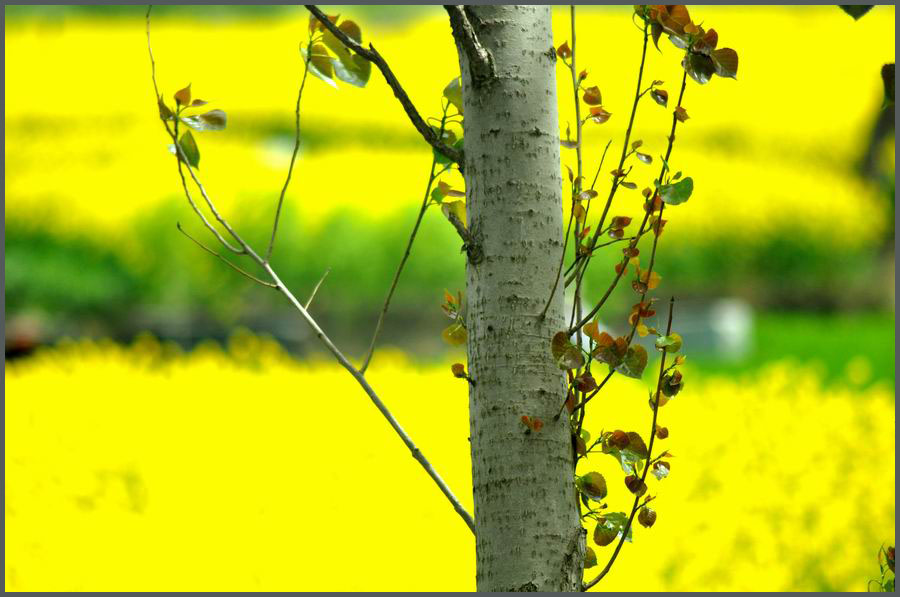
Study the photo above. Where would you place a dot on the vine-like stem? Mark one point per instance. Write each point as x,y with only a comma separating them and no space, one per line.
637,497
287,180
642,229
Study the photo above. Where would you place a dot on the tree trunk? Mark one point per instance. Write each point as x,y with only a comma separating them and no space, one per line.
529,537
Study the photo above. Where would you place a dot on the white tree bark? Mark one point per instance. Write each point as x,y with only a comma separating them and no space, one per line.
529,537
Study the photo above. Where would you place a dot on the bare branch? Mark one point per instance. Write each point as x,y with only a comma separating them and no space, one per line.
481,63
231,265
372,55
293,154
361,380
412,237
279,285
316,289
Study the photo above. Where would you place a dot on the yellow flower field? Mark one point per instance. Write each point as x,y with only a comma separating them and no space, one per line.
770,152
142,468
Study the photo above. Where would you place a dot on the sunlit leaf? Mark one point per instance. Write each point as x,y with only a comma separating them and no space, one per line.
678,192
320,63
670,343
214,120
647,159
610,527
455,208
564,51
183,96
453,93
587,195
355,70
660,469
628,185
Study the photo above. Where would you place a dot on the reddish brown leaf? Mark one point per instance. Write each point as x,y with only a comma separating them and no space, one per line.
183,96
564,51
681,114
592,96
660,96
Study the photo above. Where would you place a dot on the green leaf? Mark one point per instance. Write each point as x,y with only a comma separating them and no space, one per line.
612,523
214,120
678,192
320,63
565,354
356,70
453,93
634,362
590,558
593,485
189,149
856,10
455,334
670,343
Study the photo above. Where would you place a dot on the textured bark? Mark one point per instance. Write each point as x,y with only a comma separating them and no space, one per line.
528,534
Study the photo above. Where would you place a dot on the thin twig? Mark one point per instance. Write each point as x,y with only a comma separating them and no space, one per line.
372,55
412,237
179,153
287,180
642,231
231,265
361,380
635,507
615,184
316,289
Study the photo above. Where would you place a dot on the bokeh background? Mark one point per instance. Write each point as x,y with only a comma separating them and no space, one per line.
169,425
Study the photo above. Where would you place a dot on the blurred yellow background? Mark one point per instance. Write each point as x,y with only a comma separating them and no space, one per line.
140,466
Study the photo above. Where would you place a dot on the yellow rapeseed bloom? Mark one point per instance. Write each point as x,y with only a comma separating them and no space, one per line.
144,468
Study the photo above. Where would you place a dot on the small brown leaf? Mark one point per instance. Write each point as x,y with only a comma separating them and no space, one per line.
459,370
592,96
726,62
183,96
564,51
628,185
647,517
681,114
599,115
660,96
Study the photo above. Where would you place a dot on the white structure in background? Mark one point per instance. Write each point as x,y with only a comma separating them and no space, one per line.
723,327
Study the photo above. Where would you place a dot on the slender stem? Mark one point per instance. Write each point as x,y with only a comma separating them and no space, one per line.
641,232
616,180
636,507
372,55
412,237
230,264
361,380
312,295
287,180
338,355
